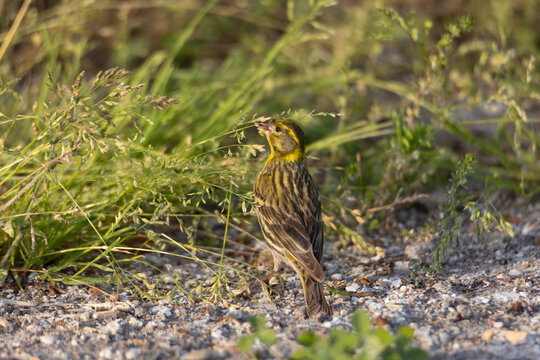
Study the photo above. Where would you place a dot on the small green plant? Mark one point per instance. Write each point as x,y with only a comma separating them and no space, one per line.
366,342
260,333
459,202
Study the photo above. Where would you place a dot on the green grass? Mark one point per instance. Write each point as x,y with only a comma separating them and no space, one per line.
99,165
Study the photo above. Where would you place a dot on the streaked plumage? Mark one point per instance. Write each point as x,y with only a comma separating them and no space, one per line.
289,211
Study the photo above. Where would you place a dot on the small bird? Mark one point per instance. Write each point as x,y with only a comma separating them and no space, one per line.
289,211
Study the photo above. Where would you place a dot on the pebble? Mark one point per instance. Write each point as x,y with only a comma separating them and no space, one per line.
444,337
204,354
396,284
33,328
418,251
133,353
515,272
160,309
106,353
336,277
47,339
506,296
237,314
353,287
443,286
498,324
112,327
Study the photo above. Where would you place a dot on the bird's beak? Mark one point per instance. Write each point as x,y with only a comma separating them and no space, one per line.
263,127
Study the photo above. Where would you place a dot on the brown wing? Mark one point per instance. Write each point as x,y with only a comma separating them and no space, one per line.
287,231
294,222
313,219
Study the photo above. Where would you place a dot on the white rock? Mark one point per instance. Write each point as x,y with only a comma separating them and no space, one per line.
33,328
112,327
133,321
47,339
217,334
160,309
336,276
353,287
237,314
443,286
515,272
506,296
105,353
376,258
133,353
444,337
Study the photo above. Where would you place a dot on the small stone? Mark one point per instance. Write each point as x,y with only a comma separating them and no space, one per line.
134,322
488,334
483,299
353,287
515,336
515,272
417,251
498,324
444,337
105,353
336,277
396,284
112,327
376,258
133,353
270,306
33,328
160,309
217,334
506,296
443,286
47,339
401,267
203,354
424,336
237,314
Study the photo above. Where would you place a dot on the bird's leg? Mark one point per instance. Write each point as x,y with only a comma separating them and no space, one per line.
276,278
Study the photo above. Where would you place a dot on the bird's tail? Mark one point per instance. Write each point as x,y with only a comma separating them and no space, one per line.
314,297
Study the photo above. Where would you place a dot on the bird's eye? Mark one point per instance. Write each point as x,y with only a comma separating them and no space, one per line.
278,129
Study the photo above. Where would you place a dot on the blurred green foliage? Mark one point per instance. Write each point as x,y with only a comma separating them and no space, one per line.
365,342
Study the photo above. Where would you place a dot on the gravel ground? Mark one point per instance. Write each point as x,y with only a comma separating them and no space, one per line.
484,306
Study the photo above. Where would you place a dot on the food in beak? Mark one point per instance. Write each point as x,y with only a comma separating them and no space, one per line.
263,128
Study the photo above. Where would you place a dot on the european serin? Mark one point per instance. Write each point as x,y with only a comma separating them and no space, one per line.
289,211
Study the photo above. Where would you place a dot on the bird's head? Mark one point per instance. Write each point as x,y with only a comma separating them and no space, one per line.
285,138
